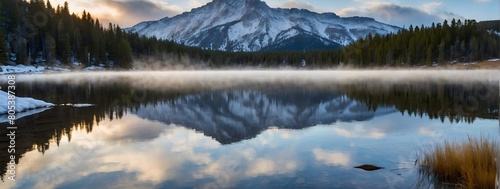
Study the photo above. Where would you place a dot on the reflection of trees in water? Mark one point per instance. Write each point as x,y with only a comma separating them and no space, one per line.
464,102
455,102
38,131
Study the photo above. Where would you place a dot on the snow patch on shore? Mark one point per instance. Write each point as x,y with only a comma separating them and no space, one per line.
21,69
22,103
94,68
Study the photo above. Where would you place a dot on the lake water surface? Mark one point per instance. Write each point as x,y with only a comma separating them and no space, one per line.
244,129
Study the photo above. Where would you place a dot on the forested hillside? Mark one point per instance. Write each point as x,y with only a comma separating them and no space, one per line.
457,41
37,33
34,32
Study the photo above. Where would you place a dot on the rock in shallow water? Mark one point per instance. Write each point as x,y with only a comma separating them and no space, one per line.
368,167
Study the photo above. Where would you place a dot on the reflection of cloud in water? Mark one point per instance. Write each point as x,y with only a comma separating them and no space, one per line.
229,170
244,161
359,131
270,166
428,132
180,157
379,128
161,158
130,128
333,158
153,161
119,147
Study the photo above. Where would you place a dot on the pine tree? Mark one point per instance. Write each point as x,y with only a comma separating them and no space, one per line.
474,48
4,52
4,56
50,54
442,51
463,48
430,54
124,54
411,52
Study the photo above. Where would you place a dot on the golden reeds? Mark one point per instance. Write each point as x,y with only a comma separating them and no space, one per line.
469,164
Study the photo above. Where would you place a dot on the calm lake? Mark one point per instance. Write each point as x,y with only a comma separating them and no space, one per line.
243,129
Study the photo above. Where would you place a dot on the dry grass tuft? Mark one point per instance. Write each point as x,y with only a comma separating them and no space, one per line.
470,164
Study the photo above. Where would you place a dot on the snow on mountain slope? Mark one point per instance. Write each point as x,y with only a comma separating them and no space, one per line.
233,116
251,25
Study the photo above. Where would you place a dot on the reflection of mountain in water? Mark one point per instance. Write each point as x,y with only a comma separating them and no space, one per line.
234,116
237,115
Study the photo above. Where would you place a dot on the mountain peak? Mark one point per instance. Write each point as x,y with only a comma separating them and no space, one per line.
251,25
237,1
240,3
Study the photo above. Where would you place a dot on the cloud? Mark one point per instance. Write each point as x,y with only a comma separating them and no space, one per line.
125,13
401,15
482,1
134,11
431,7
300,5
197,3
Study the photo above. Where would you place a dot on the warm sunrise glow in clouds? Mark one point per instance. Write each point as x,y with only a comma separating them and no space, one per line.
127,13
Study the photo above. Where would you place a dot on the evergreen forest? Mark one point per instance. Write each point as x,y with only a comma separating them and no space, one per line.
37,33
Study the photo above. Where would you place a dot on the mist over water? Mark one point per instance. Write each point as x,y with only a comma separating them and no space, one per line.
228,79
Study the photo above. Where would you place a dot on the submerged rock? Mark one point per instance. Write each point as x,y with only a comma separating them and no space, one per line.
368,167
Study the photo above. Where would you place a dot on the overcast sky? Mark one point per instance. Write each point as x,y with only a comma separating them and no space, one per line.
401,13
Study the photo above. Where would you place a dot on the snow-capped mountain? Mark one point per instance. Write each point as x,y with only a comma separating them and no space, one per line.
251,25
233,116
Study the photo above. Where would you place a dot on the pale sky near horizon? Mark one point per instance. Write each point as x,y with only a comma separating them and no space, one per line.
401,13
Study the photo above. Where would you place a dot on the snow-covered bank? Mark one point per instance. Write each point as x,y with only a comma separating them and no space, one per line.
22,103
22,69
